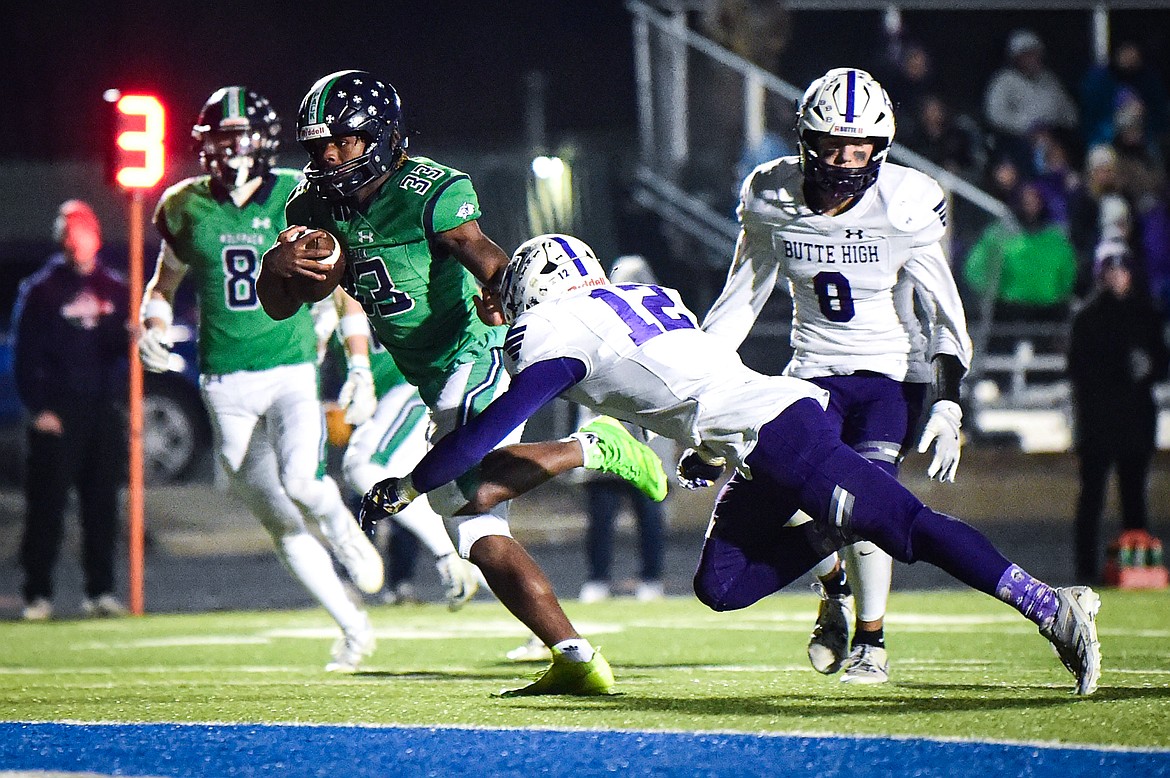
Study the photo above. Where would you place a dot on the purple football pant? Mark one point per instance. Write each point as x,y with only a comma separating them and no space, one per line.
875,415
801,462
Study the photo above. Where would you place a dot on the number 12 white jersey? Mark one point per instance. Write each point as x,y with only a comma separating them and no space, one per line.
852,277
647,363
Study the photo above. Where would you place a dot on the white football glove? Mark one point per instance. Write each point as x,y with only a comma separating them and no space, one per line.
154,349
460,582
946,417
357,396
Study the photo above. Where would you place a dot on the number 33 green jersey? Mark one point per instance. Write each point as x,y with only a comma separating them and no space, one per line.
222,244
420,305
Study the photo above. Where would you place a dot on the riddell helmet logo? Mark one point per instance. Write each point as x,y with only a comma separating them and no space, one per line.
587,283
314,131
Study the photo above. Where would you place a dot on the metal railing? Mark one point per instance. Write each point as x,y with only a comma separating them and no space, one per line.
666,54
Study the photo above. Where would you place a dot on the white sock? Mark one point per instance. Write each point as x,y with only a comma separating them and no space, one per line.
311,564
870,570
575,649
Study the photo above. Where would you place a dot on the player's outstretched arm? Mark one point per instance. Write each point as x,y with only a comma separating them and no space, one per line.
475,251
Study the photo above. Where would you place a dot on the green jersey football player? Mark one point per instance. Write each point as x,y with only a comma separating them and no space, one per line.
414,256
257,376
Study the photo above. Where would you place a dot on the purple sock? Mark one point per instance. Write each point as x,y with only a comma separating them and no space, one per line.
1030,596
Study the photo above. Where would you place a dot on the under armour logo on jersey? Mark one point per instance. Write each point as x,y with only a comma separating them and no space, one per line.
259,223
465,210
855,234
365,236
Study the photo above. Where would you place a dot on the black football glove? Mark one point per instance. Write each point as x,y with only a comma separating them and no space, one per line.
384,499
695,472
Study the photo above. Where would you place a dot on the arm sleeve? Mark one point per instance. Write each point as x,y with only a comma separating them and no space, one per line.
461,450
936,290
749,284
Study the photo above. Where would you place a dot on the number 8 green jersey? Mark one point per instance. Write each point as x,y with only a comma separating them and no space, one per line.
419,305
222,244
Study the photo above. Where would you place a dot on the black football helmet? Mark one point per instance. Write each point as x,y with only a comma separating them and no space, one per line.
351,102
238,110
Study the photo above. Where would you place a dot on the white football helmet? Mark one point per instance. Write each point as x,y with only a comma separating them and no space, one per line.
849,103
545,267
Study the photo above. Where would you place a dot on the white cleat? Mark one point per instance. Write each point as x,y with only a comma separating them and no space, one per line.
104,606
866,664
649,591
360,559
460,579
828,646
352,647
593,591
533,650
39,609
1073,634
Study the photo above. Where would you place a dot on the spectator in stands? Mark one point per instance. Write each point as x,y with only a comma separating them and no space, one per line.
1056,177
1155,249
1140,167
1004,179
1106,87
69,358
1117,352
909,78
1025,96
1031,273
1097,208
934,134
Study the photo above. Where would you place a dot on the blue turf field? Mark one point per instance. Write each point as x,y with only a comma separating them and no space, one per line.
355,752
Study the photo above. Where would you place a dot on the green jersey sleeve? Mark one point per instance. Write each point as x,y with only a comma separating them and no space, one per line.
453,205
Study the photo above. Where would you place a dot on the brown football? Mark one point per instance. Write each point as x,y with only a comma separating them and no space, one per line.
322,240
308,290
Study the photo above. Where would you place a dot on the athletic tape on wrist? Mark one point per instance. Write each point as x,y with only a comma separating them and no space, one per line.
155,308
352,324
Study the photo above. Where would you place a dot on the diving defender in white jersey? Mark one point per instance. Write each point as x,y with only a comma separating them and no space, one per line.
857,239
634,352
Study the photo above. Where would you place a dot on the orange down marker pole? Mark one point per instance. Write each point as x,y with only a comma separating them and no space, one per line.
136,488
139,157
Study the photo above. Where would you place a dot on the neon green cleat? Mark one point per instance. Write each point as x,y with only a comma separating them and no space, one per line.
583,679
610,448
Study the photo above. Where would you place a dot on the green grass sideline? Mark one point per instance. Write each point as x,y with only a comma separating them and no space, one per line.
963,666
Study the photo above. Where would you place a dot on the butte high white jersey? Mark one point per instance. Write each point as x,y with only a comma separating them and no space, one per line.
852,277
647,363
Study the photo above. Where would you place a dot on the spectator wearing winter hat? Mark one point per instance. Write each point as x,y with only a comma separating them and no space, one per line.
1024,96
1098,208
1117,352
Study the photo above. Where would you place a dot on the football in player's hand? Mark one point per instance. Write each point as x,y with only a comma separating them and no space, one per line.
323,240
310,290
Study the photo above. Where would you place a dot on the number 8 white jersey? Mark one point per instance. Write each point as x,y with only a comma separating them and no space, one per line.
648,363
852,277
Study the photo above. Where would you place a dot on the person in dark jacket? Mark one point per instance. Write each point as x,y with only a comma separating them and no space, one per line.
70,360
1117,352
